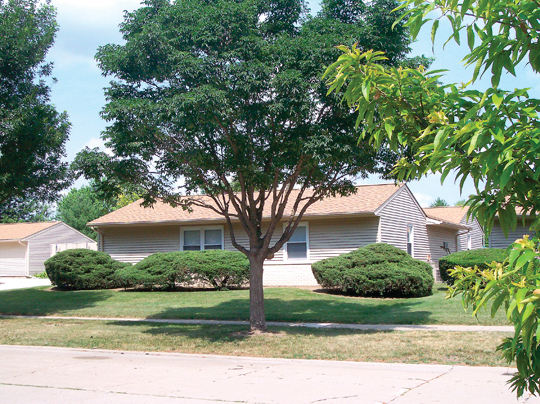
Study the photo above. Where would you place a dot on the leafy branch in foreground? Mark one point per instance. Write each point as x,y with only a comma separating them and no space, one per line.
514,285
492,137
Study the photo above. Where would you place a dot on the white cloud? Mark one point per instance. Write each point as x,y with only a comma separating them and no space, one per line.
423,199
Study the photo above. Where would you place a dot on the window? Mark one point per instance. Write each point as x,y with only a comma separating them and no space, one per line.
410,240
469,241
201,238
298,246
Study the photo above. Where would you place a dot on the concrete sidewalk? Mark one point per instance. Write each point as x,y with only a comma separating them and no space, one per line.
8,283
45,375
378,327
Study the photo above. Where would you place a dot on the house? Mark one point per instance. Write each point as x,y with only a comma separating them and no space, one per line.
497,238
444,240
24,247
376,213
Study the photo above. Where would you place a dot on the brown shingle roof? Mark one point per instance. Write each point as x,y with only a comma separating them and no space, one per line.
452,214
366,200
19,231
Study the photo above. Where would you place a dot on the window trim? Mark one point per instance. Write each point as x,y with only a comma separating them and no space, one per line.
286,245
201,229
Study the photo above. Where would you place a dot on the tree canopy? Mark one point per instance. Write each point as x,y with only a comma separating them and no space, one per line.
25,210
87,203
491,136
218,96
32,132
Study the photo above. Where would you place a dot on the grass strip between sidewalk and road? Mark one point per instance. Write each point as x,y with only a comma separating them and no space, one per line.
281,304
446,348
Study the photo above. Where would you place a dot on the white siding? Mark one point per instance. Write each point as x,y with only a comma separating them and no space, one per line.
438,236
40,244
497,239
402,210
132,244
12,259
476,233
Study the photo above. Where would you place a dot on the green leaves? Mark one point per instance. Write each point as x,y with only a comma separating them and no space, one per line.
516,283
32,133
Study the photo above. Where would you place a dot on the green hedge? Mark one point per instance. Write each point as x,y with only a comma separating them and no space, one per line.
375,270
480,257
216,268
160,270
83,269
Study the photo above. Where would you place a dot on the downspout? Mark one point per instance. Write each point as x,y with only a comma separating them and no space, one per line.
26,257
100,238
457,238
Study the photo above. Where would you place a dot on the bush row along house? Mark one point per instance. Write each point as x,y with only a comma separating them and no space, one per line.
24,247
376,213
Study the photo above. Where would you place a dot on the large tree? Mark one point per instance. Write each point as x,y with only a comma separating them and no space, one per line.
491,136
220,96
32,132
26,210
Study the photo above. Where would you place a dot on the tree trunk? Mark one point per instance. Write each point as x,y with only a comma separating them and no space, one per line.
257,320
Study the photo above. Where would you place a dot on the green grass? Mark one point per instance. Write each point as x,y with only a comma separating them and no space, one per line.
282,304
449,348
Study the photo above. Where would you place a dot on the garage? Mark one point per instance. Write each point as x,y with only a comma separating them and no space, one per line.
24,247
13,259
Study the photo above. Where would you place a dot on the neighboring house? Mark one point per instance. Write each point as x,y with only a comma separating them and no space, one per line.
24,247
444,240
376,213
497,238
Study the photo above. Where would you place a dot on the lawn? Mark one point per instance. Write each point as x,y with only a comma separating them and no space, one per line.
448,348
282,304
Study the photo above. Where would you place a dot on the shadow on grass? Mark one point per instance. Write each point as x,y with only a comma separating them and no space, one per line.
233,333
367,311
42,301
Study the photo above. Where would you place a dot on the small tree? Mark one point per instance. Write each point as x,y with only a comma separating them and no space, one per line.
438,202
227,95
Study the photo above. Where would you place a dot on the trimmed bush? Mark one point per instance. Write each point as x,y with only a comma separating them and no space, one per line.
82,269
480,258
375,270
216,268
160,270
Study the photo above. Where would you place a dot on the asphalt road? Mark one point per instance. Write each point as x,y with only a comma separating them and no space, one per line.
59,375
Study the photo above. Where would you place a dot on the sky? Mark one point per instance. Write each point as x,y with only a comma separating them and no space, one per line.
86,25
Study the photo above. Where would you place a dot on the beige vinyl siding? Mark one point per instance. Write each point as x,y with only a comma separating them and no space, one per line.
438,236
330,238
477,235
497,239
13,259
132,244
398,212
40,244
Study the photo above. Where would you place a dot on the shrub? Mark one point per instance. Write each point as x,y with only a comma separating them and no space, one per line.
375,270
480,257
82,269
217,268
158,270
41,275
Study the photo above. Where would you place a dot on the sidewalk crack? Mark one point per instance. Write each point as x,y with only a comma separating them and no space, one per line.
420,385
